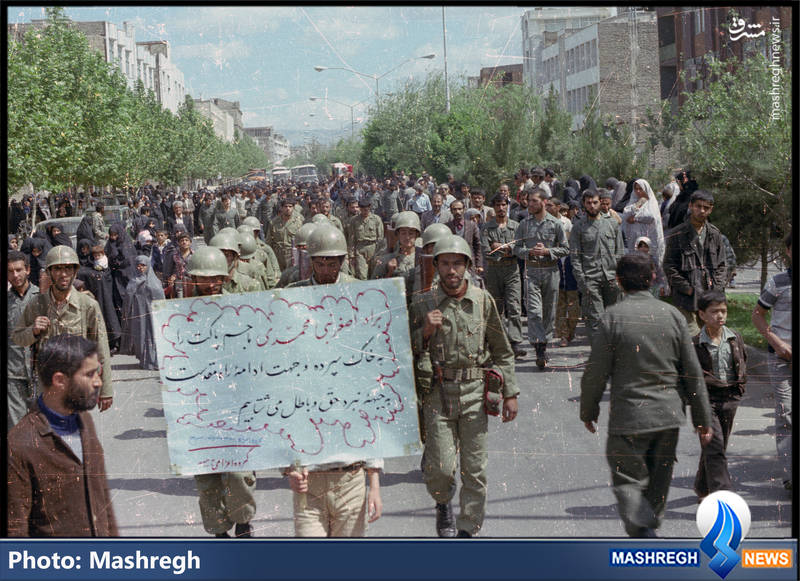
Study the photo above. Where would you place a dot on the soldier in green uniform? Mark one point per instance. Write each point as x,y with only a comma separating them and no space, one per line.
247,258
502,273
363,232
292,273
541,241
238,281
62,309
282,231
331,499
643,346
264,255
595,246
402,261
456,336
227,498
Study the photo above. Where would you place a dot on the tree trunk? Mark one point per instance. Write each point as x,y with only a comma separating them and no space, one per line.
764,257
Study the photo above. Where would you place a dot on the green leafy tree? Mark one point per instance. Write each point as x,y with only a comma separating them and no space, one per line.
739,147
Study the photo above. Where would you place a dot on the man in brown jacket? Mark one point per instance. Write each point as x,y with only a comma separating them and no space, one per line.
57,484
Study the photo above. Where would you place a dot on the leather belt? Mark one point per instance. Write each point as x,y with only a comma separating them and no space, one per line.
462,374
541,263
349,468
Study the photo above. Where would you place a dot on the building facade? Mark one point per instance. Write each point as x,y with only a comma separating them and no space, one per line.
688,36
147,62
502,75
275,145
548,21
221,120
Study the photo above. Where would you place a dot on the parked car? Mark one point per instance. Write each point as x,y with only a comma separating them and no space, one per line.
69,226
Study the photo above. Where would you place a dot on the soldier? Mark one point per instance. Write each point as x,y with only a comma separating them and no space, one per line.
335,499
98,224
502,275
264,254
456,336
402,261
226,499
64,310
282,231
425,273
595,247
541,241
248,259
363,233
296,272
238,280
20,380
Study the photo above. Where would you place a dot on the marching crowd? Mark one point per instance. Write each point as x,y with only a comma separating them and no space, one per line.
474,266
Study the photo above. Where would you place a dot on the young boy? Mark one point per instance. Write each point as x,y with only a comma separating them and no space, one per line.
723,358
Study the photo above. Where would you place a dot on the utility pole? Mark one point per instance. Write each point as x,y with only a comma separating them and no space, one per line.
446,86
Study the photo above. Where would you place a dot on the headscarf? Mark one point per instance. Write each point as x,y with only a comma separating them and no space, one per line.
13,237
652,229
145,281
121,252
37,262
587,183
60,239
86,260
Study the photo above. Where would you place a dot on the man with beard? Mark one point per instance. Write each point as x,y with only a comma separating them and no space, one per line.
57,484
595,246
502,274
20,366
282,231
331,499
456,335
63,309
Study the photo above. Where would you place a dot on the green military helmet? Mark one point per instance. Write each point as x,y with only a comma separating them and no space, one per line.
245,229
434,233
61,255
453,244
320,219
226,240
326,240
394,219
228,230
247,244
301,238
207,261
408,219
252,222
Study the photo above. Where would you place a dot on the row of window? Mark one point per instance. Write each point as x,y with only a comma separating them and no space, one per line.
580,58
577,99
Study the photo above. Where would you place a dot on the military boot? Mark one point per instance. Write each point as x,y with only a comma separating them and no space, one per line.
445,522
541,355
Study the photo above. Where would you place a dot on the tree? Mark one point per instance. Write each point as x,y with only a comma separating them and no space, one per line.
739,147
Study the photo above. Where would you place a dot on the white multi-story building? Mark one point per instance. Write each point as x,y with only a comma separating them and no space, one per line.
280,148
221,119
145,61
611,65
545,21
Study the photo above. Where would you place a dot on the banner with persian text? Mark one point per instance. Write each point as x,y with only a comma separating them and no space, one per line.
263,380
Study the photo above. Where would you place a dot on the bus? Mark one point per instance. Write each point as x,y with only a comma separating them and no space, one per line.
280,175
305,174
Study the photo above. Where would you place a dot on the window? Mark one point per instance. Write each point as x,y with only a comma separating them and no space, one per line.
594,52
699,21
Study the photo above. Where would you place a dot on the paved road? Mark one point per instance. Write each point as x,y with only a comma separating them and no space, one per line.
547,475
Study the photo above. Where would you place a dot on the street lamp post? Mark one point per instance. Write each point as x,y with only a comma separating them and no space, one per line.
375,77
352,118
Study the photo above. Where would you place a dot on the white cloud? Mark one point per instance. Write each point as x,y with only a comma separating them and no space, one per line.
222,54
238,20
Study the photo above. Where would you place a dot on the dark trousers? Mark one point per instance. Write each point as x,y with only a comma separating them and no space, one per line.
641,472
712,473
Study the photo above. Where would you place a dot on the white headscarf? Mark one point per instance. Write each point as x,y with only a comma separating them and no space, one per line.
650,227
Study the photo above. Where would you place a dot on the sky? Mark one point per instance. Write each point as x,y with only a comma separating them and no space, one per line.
264,56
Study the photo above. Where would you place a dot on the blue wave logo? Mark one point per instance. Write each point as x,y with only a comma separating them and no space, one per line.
722,540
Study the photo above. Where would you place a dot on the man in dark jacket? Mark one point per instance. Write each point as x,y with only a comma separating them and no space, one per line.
57,485
642,345
694,260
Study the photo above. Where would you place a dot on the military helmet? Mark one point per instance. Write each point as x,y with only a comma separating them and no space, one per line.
252,222
394,219
434,233
228,229
326,240
320,219
453,244
207,261
408,219
247,244
301,238
226,241
61,255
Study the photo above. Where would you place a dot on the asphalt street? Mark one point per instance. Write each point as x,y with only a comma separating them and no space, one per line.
548,477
